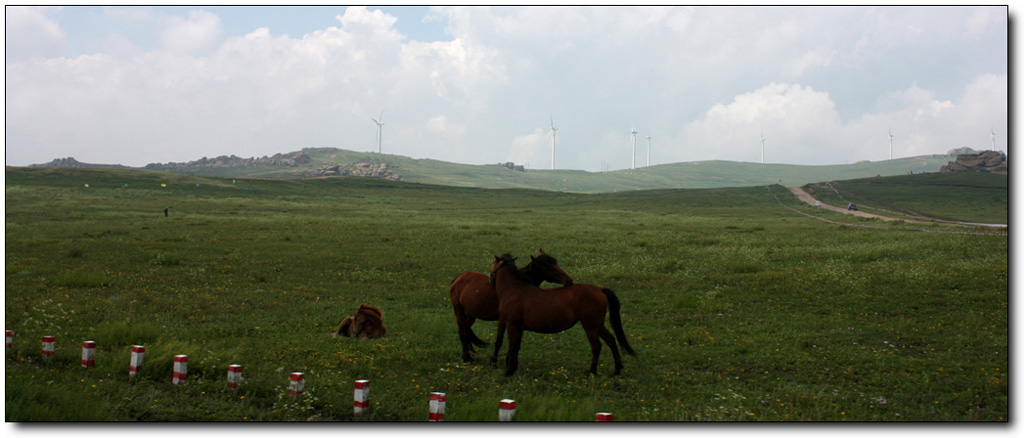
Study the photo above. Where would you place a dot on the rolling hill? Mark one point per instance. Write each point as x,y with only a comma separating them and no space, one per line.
327,162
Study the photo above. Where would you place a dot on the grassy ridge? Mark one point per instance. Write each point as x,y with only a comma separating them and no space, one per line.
703,174
740,310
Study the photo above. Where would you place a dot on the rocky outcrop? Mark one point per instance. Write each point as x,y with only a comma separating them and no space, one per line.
961,151
513,166
987,161
72,162
278,160
365,170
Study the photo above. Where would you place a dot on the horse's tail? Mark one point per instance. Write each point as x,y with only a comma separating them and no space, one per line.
616,318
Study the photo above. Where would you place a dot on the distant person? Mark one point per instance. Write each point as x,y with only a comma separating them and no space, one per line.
166,212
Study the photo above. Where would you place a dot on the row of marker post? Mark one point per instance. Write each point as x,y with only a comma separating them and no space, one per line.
296,386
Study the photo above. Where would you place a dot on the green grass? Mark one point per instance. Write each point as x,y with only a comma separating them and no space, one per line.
972,197
691,175
740,309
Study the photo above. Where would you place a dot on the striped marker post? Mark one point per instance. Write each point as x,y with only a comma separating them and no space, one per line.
48,346
10,339
234,376
437,401
297,385
604,416
361,401
180,368
88,354
138,354
506,410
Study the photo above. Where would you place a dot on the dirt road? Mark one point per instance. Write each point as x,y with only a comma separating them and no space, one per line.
806,197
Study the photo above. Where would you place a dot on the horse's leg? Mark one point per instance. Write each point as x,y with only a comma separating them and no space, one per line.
595,347
515,339
460,319
473,338
497,342
609,339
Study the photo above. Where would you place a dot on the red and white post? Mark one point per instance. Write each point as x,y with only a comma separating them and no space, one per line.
10,339
180,368
48,348
234,376
361,401
506,410
88,354
604,416
437,401
138,354
297,385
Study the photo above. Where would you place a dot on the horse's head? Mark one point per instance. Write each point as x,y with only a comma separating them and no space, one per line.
505,260
368,322
545,268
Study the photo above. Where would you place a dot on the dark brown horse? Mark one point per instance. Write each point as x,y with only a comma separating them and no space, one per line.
368,323
523,306
473,297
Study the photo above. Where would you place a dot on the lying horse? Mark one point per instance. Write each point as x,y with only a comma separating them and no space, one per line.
524,306
473,297
368,323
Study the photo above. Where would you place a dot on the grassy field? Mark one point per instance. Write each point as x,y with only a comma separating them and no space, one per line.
739,309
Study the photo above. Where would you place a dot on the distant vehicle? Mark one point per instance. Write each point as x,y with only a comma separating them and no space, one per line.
852,207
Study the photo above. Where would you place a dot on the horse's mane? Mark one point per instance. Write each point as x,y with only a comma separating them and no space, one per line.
371,321
545,259
371,311
372,315
511,262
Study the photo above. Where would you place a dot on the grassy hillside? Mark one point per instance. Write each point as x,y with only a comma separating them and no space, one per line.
740,308
704,174
967,197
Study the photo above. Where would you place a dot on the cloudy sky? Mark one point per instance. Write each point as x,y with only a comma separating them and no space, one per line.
479,85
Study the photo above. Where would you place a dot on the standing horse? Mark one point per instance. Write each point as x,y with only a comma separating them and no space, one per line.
523,306
473,297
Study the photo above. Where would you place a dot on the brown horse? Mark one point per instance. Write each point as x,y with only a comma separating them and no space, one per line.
473,297
368,323
523,306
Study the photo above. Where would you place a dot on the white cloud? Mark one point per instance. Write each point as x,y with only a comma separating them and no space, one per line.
802,126
983,20
795,120
822,84
532,149
31,31
143,15
198,32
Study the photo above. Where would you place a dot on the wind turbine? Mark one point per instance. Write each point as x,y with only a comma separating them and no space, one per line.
993,138
553,129
648,149
380,127
762,145
890,143
633,142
